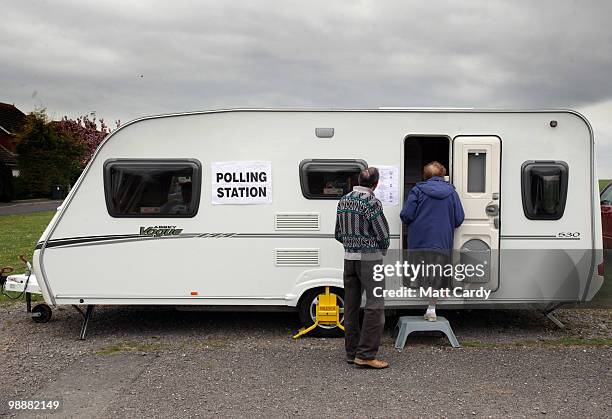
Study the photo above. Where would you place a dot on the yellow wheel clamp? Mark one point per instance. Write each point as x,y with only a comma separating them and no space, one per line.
327,313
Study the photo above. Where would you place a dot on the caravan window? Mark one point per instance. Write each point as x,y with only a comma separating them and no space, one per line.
152,188
477,172
544,189
329,179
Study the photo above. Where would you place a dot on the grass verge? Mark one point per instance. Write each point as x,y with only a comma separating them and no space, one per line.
128,346
566,341
18,236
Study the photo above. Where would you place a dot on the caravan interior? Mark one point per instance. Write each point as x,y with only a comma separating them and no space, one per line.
418,151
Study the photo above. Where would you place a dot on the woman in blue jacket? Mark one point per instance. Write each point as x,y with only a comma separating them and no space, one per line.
432,212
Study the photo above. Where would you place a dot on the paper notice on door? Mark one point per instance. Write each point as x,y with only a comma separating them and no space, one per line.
387,190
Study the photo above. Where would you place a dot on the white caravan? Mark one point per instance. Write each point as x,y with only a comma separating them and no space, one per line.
237,207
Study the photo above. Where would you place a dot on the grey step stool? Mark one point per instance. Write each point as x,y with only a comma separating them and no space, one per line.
408,324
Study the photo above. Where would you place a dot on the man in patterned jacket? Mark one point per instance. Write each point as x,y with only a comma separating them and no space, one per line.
363,230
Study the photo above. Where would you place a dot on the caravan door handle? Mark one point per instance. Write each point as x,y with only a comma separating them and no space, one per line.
492,209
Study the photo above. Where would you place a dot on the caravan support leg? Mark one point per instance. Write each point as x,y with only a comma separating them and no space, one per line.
555,320
86,318
548,312
28,302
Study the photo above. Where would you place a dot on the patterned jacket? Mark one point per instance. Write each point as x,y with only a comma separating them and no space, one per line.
361,225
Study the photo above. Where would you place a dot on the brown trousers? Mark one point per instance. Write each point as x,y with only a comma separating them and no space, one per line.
362,342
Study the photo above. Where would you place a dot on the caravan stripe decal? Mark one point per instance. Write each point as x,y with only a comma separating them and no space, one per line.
537,237
81,240
122,238
73,241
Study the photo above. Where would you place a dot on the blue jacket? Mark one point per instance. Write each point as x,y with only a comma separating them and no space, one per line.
432,212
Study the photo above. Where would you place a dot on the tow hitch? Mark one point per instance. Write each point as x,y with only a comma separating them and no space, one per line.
25,285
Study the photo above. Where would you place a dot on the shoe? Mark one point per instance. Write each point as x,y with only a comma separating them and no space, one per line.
350,360
430,315
371,363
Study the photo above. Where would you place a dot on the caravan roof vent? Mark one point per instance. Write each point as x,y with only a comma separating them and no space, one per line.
301,221
296,257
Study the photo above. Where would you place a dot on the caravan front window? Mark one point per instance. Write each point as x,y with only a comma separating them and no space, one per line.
544,189
329,178
152,188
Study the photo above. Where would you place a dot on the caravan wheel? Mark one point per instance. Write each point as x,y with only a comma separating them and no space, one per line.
308,306
41,313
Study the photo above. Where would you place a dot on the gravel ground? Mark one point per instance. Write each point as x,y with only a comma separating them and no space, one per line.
160,362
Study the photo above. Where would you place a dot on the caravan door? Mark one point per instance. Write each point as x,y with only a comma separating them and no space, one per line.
476,176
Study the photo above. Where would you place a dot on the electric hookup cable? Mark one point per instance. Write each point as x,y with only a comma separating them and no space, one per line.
21,294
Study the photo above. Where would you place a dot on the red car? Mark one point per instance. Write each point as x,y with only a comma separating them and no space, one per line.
606,216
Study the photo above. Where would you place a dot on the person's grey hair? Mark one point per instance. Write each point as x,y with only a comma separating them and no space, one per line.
368,177
432,169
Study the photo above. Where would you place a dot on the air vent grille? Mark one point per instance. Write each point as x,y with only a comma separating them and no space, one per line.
300,221
296,257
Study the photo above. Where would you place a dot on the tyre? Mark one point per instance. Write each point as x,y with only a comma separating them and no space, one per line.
41,313
307,311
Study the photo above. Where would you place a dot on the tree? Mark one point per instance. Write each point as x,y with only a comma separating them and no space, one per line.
86,131
7,191
47,157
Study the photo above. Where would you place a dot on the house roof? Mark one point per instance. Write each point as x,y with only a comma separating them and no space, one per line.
11,118
8,157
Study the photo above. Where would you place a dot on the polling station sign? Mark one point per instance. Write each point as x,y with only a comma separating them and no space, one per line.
242,182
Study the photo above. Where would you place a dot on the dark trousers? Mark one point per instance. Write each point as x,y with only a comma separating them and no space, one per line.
362,342
436,261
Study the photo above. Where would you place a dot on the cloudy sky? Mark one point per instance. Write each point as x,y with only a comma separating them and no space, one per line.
125,59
